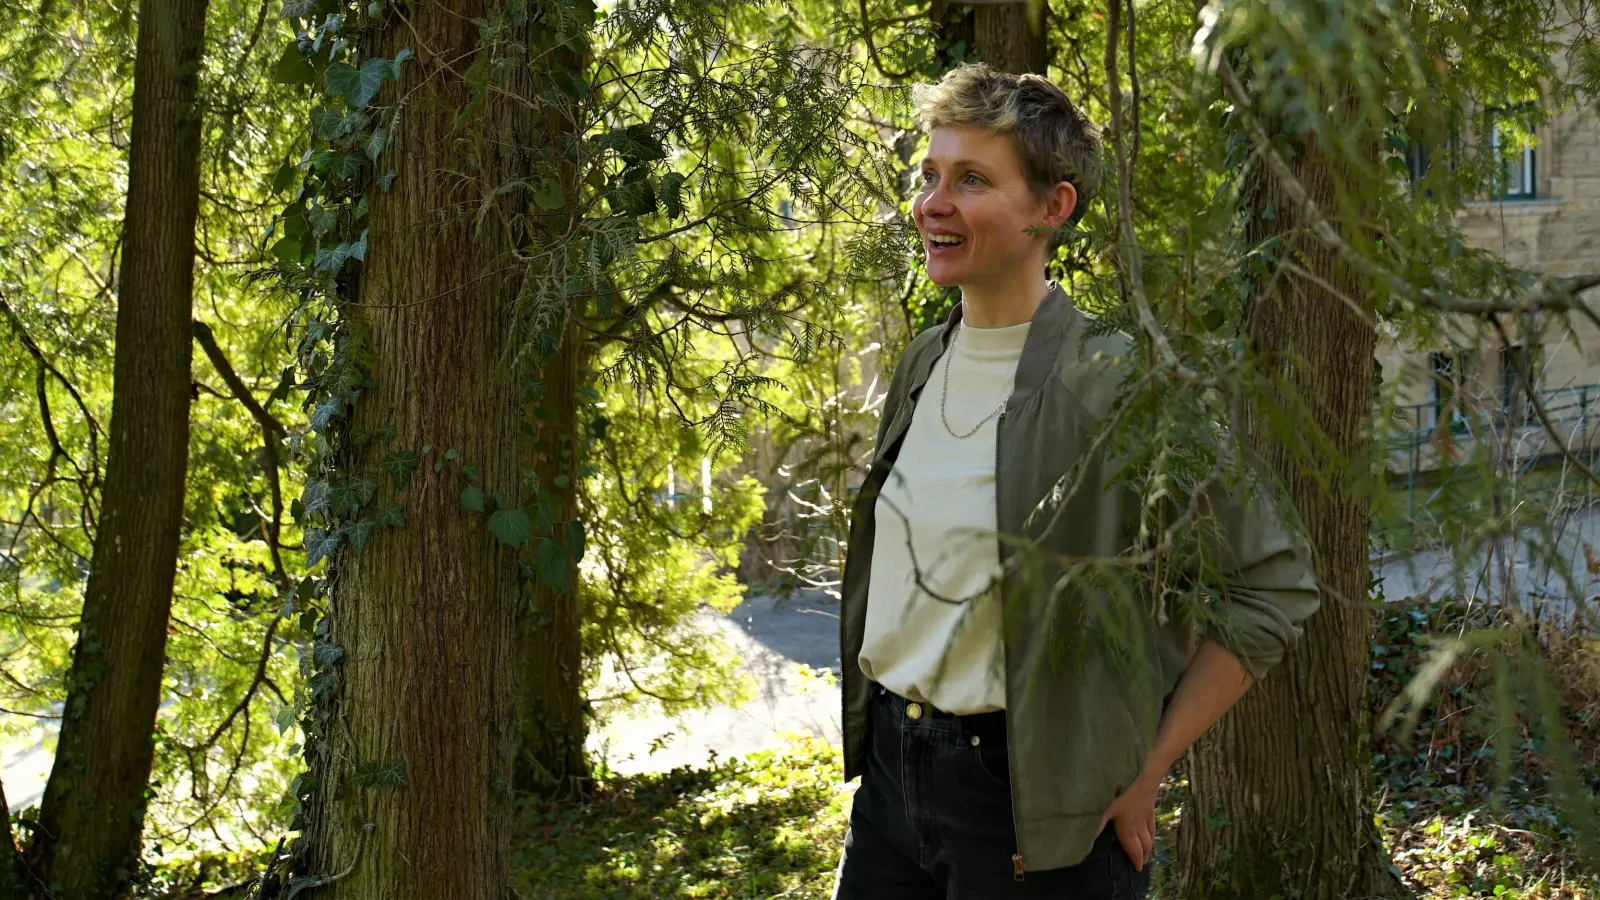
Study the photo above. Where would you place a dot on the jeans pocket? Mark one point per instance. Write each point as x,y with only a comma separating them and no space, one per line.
1126,883
992,761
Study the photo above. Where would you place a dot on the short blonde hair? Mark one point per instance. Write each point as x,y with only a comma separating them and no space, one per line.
1054,140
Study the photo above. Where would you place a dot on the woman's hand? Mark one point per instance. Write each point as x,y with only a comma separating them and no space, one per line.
1133,815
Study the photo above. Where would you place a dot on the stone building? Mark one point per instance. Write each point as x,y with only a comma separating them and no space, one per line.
1545,219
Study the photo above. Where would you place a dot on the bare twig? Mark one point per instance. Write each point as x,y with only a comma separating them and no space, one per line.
1130,251
1524,373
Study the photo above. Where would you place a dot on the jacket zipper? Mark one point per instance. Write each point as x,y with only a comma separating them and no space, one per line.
1018,868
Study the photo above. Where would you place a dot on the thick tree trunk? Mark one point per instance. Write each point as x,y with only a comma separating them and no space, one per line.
95,801
999,34
551,732
1286,772
427,614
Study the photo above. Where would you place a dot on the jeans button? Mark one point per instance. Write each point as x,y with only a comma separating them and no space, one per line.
913,711
974,740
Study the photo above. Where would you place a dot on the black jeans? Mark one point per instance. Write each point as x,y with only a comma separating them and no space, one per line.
932,819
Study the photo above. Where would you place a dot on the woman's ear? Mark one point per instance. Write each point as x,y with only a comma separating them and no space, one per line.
1063,199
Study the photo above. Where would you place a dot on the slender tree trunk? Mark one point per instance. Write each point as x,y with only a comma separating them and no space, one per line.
1000,34
427,614
1280,790
12,883
90,821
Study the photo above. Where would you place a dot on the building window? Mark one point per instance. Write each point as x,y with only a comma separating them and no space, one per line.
1445,386
1416,161
1518,162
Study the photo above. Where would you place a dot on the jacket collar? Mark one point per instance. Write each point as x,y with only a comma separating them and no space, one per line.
1052,321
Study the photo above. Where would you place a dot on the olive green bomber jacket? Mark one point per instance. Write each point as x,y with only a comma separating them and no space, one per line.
1078,731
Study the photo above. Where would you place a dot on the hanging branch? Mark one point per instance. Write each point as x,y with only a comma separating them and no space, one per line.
1128,242
272,433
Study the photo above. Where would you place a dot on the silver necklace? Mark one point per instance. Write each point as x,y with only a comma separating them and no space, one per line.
945,396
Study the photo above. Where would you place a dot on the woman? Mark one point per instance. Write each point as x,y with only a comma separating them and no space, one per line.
992,764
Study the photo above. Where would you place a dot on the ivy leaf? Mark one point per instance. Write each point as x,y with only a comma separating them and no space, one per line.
358,249
550,561
360,532
362,489
287,249
386,774
321,544
328,410
672,194
297,9
322,219
359,87
472,473
511,526
293,67
327,653
346,167
393,517
575,540
376,143
472,498
399,464
285,177
386,180
316,498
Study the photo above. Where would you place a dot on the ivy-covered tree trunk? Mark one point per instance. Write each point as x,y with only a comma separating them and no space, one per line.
414,774
1280,791
13,885
550,755
1000,34
86,844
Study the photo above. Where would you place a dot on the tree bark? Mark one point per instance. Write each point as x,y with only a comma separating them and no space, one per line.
12,883
427,614
1279,791
92,814
550,754
999,34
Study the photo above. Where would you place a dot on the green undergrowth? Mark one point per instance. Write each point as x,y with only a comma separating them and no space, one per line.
771,825
764,826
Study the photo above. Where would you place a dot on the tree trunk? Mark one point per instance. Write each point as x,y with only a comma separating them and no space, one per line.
414,778
551,732
94,804
12,883
1279,792
999,34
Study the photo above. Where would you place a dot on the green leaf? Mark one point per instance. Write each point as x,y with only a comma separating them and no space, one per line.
386,180
547,195
511,526
387,774
375,144
298,9
472,498
293,67
285,178
359,87
346,167
672,194
399,464
327,411
321,544
550,561
287,249
359,533
472,473
575,540
316,498
327,653
393,517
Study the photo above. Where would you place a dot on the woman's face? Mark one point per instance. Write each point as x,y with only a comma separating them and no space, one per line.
973,208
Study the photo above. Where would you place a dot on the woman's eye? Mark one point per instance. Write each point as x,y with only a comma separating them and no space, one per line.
927,177
972,178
